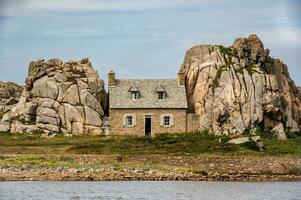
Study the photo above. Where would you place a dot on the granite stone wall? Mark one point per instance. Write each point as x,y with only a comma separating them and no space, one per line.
117,121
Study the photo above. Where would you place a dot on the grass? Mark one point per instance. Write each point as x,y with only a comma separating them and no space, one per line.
223,50
169,144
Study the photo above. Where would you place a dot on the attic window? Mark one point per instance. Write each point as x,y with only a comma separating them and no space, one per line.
161,92
161,95
134,92
135,95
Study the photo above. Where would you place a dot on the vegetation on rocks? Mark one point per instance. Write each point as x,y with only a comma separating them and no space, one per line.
223,49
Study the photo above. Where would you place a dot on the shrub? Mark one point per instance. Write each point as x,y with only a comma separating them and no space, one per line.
294,171
292,135
250,145
199,171
223,49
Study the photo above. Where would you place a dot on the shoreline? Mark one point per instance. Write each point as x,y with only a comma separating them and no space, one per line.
121,176
64,167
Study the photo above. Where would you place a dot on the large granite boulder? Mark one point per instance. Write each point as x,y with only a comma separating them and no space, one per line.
59,97
241,88
9,95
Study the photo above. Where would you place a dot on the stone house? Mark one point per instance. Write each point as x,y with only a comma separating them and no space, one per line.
148,107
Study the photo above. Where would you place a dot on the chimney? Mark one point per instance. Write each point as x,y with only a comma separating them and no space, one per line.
181,78
112,80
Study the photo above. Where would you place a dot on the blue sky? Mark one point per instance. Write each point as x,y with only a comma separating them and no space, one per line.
140,38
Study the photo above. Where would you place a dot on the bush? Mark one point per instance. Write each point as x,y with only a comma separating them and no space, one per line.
250,145
294,171
199,171
223,49
267,134
290,135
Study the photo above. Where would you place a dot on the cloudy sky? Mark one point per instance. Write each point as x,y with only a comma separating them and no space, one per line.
140,38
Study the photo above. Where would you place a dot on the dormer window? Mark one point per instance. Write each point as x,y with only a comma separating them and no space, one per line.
160,95
161,92
135,94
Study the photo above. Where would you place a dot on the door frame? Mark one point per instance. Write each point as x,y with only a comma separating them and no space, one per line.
151,124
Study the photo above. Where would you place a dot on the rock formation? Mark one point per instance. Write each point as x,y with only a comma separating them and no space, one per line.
9,95
241,88
59,97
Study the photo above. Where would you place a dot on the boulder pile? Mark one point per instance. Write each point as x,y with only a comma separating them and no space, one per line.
241,88
59,97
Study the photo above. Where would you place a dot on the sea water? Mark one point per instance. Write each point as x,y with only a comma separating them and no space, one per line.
150,190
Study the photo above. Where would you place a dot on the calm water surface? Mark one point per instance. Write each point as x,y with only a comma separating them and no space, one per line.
150,190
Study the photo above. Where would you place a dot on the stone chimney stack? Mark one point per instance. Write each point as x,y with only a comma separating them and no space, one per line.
112,80
181,78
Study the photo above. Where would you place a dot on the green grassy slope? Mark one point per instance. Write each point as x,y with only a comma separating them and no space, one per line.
172,144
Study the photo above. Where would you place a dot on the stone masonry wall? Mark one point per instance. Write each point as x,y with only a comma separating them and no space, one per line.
117,127
193,121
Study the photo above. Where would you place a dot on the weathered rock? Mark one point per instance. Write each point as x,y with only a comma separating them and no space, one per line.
239,140
4,126
71,95
242,140
59,97
92,117
45,87
239,88
279,130
18,127
9,95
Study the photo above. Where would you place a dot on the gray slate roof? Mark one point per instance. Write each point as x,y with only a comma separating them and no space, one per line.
120,96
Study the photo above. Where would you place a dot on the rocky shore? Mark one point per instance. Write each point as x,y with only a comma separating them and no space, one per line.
150,167
59,174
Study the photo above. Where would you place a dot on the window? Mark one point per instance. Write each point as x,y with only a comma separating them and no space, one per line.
129,120
161,95
135,95
166,121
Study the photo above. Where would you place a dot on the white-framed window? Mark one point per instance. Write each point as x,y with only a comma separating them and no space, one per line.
135,95
167,120
161,95
129,120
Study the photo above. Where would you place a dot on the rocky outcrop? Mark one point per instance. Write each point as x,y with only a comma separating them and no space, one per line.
240,88
59,97
242,140
9,95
